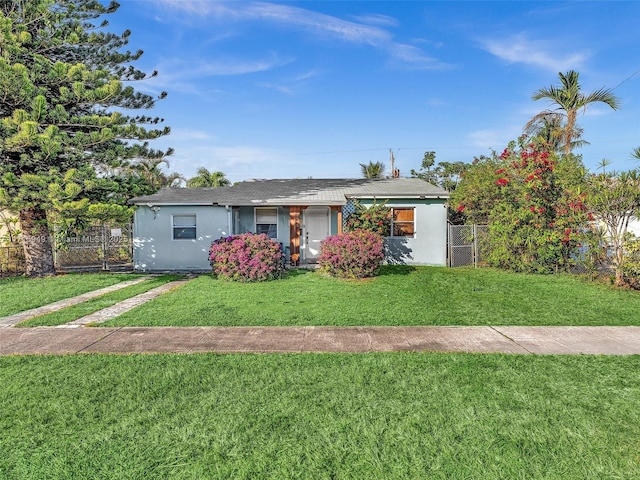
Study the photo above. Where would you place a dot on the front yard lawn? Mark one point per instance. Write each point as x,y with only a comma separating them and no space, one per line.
363,416
18,294
90,306
400,296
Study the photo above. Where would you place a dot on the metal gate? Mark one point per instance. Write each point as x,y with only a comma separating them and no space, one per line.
101,246
467,244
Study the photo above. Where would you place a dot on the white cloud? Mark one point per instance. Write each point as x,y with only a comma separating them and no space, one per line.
223,66
182,74
194,7
414,57
235,161
292,85
377,19
539,53
307,75
312,22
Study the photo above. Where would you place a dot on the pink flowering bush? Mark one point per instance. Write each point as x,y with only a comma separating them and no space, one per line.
355,254
246,258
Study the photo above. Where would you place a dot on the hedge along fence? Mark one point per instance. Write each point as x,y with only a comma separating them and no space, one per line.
355,254
246,258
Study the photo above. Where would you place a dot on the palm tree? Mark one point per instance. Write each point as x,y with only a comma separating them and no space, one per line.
206,178
372,170
149,170
548,127
173,180
569,99
636,153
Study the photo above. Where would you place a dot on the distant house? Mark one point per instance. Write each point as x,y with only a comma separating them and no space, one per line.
174,227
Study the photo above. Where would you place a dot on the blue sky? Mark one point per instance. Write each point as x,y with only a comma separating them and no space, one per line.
314,88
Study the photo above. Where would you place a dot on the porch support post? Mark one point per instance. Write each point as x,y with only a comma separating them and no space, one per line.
294,233
339,210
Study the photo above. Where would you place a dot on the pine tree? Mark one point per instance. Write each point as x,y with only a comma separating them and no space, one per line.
66,88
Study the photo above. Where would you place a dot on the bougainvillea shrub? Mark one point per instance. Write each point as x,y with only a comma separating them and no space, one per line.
355,254
538,219
375,218
246,258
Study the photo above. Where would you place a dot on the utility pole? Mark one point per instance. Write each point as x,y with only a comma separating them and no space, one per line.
393,160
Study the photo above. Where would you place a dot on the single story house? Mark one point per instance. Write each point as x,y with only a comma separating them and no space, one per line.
174,228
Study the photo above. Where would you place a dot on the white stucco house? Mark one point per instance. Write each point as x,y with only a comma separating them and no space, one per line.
174,228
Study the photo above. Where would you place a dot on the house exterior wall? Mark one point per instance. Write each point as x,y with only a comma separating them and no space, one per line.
154,248
634,227
429,244
247,223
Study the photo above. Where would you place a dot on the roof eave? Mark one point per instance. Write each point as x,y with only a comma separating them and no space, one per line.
300,203
419,196
170,204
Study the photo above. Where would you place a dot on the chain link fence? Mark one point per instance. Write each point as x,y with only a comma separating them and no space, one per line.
101,247
467,244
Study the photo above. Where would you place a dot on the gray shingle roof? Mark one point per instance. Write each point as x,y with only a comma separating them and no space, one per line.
295,192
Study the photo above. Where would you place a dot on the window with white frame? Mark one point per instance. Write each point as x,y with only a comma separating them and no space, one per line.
402,222
184,227
267,221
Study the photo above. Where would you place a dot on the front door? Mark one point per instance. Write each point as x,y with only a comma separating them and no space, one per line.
315,229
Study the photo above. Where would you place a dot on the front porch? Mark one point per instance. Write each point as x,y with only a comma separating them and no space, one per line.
308,226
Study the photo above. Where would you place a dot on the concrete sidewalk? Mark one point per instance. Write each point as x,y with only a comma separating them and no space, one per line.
515,340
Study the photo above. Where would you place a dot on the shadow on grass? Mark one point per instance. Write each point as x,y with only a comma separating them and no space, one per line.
386,270
297,272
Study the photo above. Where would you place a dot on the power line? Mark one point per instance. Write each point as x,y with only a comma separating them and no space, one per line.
626,79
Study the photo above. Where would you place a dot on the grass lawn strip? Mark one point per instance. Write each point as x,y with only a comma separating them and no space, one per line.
435,416
18,294
400,296
75,312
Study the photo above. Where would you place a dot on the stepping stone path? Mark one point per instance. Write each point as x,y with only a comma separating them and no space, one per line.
124,306
13,320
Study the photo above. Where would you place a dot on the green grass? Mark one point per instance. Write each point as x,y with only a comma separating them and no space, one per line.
368,416
18,294
400,296
90,306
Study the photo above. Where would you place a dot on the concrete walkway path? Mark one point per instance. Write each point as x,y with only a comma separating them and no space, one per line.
119,308
13,320
515,340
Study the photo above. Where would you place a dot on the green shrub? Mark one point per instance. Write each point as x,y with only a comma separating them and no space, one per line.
631,265
375,218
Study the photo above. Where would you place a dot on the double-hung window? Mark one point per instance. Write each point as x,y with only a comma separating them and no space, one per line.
184,227
402,222
267,221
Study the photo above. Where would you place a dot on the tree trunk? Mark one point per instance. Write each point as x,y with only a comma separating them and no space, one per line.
619,259
38,250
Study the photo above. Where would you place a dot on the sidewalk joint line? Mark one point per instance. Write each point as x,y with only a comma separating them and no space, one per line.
510,339
99,339
305,333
